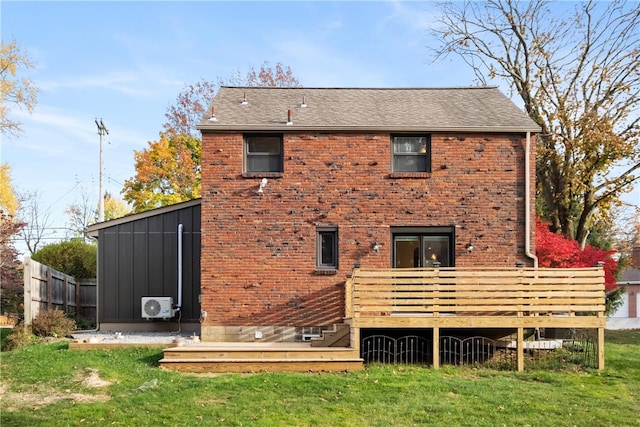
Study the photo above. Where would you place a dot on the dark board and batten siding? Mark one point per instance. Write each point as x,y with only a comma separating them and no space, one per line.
138,258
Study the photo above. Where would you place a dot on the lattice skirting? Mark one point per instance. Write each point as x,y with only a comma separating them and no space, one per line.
413,349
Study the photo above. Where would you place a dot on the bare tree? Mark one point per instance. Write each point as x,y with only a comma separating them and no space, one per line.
82,214
577,73
36,218
183,116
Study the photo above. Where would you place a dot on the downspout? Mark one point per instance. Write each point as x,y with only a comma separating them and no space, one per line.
179,305
527,201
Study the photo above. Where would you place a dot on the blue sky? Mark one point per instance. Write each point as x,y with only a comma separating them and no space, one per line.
125,62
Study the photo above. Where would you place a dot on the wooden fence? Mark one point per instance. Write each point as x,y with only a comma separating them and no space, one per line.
49,289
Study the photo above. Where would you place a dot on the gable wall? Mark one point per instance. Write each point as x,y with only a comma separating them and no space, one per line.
258,250
139,259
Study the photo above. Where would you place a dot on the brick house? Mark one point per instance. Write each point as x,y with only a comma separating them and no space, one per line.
301,184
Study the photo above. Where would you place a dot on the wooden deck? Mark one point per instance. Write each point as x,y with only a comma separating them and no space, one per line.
258,357
455,298
500,299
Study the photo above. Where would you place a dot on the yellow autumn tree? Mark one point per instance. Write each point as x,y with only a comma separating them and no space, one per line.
167,172
15,91
8,199
114,208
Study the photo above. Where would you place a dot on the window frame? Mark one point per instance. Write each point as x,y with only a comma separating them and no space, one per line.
320,231
448,232
246,139
427,154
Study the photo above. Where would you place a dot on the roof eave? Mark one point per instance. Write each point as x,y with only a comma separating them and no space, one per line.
290,128
94,229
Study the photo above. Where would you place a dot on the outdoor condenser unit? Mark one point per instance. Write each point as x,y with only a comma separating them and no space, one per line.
157,307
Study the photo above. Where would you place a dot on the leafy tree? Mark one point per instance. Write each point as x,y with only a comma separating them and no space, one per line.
11,282
577,73
191,103
557,251
14,91
114,208
168,170
74,257
280,76
8,199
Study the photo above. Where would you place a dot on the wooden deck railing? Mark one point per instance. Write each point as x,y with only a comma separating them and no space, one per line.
515,298
514,292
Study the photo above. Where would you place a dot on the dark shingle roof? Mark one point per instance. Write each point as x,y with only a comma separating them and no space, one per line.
630,275
483,109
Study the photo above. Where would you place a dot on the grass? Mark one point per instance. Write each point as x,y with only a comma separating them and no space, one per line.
3,335
46,384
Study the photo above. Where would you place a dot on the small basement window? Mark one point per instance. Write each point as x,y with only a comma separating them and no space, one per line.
327,248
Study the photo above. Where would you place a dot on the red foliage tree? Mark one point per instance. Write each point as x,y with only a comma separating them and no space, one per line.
556,251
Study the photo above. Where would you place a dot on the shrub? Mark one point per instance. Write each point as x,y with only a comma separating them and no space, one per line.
12,303
19,337
73,257
52,323
83,324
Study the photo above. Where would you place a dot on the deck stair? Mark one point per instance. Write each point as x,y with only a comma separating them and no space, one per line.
258,356
338,336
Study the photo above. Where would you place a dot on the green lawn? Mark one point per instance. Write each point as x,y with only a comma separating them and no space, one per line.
46,384
3,335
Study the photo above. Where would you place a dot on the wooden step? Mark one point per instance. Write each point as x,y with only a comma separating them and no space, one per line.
266,365
256,357
339,336
213,353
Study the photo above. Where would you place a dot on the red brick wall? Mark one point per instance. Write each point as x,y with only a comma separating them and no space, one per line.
258,250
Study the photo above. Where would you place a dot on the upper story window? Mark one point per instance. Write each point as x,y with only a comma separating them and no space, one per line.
263,153
411,153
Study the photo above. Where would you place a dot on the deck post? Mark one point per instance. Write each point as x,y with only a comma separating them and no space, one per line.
520,349
436,347
600,348
348,296
600,265
355,340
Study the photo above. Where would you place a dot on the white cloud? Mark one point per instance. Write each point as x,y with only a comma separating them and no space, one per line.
332,25
118,81
410,17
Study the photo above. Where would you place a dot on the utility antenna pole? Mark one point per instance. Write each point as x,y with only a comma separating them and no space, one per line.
102,130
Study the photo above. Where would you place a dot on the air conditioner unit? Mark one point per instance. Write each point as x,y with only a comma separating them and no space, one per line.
157,307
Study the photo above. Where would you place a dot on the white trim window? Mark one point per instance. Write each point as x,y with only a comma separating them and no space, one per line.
411,153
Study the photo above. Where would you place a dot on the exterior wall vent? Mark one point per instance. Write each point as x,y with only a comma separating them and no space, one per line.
309,337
